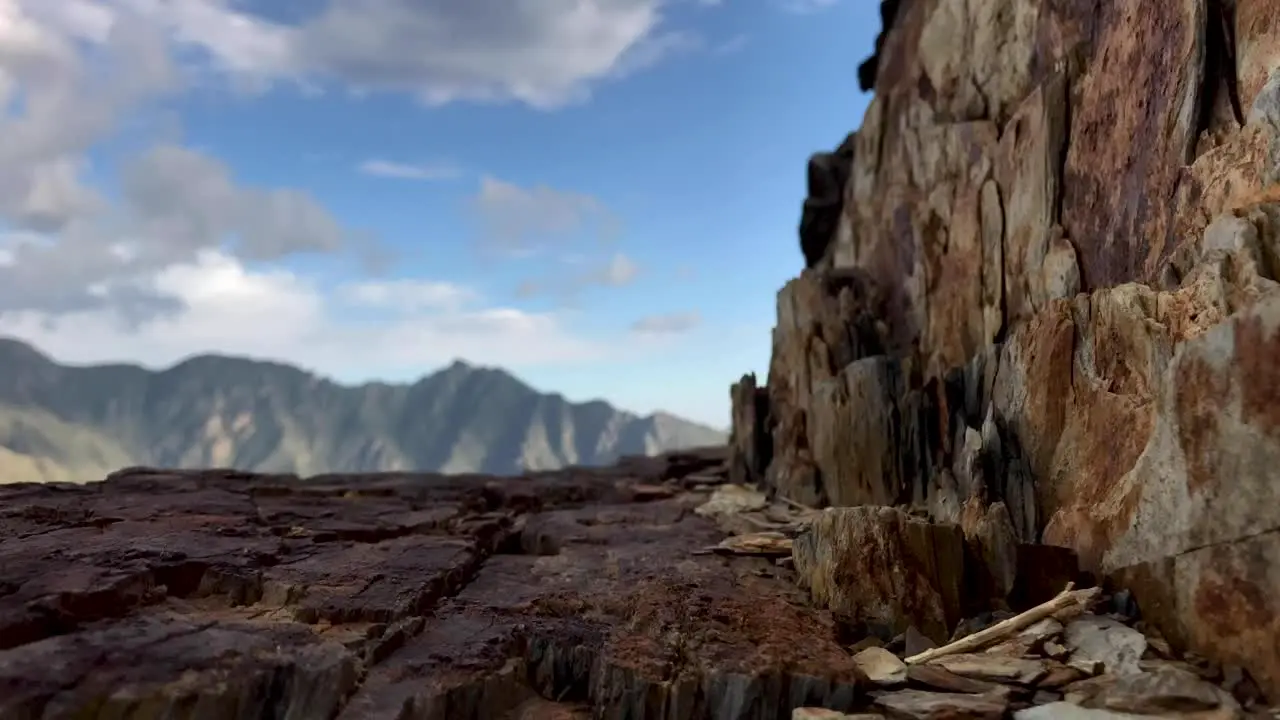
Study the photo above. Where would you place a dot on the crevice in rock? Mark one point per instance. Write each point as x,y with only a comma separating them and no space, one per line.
1232,541
1220,72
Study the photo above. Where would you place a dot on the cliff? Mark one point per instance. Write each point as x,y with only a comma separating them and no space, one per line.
1045,301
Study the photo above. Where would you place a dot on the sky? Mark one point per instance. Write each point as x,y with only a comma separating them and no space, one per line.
600,196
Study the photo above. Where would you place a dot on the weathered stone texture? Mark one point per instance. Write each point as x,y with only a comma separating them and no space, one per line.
883,567
224,595
1075,245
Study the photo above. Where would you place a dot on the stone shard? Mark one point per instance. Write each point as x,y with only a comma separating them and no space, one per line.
1103,640
994,668
925,705
750,445
881,666
1160,691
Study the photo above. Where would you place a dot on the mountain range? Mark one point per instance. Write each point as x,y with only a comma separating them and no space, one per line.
77,423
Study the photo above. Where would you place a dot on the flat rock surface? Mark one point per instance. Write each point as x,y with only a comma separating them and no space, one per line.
216,594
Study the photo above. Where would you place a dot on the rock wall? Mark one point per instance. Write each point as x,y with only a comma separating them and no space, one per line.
1071,213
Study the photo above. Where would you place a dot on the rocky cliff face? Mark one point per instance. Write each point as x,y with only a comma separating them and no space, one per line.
1049,303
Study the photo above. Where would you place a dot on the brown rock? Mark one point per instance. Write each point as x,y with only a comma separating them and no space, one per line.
881,666
991,534
394,595
853,434
824,714
1118,237
1028,171
924,705
750,444
937,678
995,668
1060,675
1162,691
881,565
914,642
1068,180
825,321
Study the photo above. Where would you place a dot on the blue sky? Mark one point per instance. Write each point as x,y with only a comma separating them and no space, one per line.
599,195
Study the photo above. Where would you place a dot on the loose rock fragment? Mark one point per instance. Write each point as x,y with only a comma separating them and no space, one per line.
924,705
766,544
1103,640
733,499
1160,691
1067,711
999,668
881,666
933,676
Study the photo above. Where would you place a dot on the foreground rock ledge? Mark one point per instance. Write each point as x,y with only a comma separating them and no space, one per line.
216,594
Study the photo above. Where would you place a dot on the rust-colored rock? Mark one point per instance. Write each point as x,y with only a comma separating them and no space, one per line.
1071,211
883,567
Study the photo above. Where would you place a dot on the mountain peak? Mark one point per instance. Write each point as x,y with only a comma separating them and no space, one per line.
217,410
13,350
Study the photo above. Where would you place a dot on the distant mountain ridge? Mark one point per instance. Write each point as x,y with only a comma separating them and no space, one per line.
77,423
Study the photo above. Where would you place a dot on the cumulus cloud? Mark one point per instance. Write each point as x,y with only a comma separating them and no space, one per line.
174,203
279,314
56,103
671,324
186,257
543,53
70,74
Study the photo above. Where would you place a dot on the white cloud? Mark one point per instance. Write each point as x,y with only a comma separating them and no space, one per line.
672,324
544,53
70,73
277,314
409,171
56,103
174,266
175,203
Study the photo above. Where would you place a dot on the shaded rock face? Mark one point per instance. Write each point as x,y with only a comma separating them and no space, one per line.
1066,216
827,177
223,595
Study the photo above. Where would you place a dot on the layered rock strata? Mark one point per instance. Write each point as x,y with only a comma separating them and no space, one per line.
1075,247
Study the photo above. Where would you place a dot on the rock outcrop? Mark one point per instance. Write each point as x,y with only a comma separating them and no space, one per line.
1065,330
216,594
